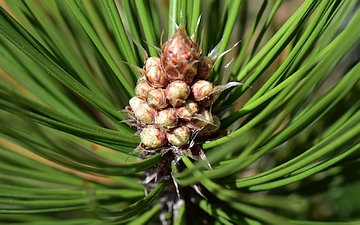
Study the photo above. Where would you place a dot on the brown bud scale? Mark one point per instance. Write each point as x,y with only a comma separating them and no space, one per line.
188,110
179,57
204,68
155,74
142,88
156,98
201,89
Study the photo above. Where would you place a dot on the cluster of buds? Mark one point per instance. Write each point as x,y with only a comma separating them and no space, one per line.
172,106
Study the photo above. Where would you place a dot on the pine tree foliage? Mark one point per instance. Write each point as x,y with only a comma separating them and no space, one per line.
290,144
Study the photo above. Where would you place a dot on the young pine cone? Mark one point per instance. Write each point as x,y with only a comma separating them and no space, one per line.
172,107
180,56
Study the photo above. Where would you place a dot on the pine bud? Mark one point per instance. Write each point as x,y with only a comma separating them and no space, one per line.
153,137
142,88
142,110
179,136
154,72
166,118
180,57
173,97
177,92
204,68
188,110
201,90
157,99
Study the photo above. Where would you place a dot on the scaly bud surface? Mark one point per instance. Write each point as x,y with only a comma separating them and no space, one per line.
188,110
156,98
179,57
204,68
153,137
154,73
179,136
142,88
201,89
166,118
177,93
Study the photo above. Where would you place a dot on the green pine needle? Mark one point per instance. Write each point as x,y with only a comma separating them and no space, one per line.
291,150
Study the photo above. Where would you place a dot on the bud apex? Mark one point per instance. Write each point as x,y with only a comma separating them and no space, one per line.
180,57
